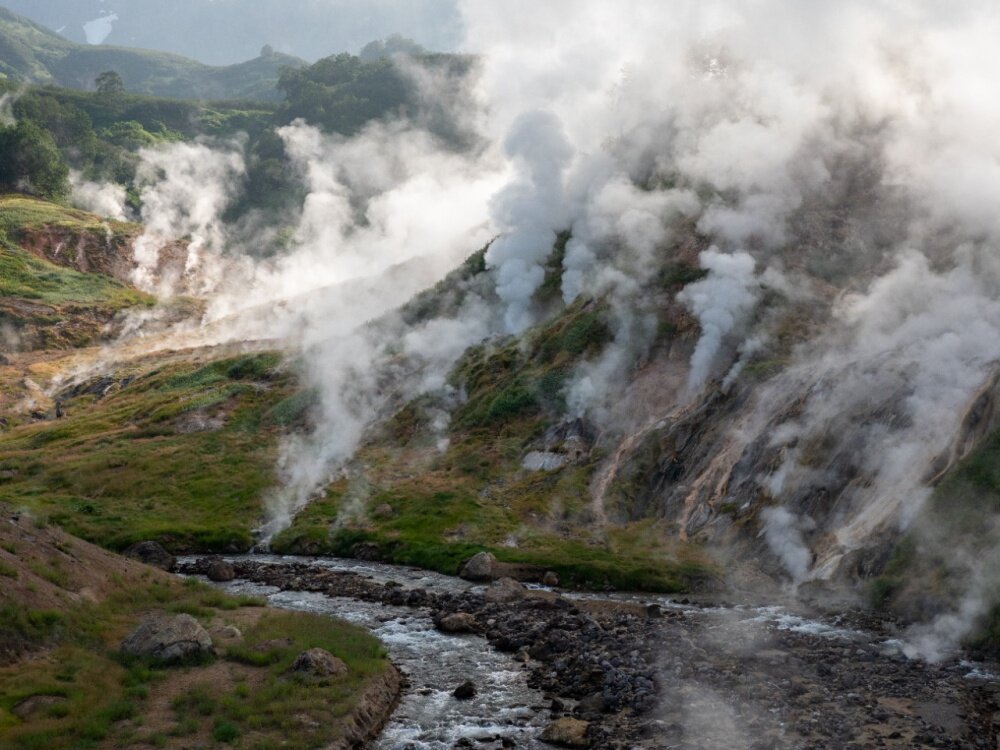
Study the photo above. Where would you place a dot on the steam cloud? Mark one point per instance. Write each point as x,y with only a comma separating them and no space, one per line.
104,199
620,127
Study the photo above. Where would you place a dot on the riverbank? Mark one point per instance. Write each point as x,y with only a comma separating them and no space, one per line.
67,681
661,674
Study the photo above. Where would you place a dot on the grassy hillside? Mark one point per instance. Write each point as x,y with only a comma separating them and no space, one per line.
46,302
416,503
75,602
177,449
30,53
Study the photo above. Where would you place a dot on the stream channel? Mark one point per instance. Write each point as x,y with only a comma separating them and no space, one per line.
761,671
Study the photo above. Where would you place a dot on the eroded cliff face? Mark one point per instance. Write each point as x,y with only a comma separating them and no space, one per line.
77,283
105,249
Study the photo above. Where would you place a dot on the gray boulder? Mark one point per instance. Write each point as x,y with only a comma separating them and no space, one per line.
479,567
318,662
457,622
220,571
168,639
151,553
505,590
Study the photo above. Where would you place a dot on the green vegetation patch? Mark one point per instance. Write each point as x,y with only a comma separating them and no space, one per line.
181,454
91,696
27,277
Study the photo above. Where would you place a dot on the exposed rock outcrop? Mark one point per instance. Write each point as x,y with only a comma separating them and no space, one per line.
372,710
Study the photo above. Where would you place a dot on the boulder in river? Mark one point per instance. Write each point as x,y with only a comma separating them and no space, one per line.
551,578
457,622
506,590
168,639
479,567
318,662
151,553
465,691
220,571
567,732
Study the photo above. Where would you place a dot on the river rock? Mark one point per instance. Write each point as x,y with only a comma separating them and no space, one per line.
220,571
318,662
368,551
591,705
505,590
567,732
551,578
465,691
168,638
151,553
479,567
457,622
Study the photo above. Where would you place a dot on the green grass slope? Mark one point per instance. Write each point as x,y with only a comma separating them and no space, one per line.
411,502
65,605
49,305
180,451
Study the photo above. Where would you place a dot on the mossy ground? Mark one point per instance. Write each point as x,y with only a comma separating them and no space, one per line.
24,276
178,451
103,697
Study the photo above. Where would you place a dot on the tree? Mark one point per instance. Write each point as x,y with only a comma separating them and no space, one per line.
31,163
110,86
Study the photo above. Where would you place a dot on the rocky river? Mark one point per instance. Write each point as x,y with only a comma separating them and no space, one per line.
630,671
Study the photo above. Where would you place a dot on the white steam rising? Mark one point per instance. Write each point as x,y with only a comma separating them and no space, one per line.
783,532
186,187
721,302
839,156
102,198
528,212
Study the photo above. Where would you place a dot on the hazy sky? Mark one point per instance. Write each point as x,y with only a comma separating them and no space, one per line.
220,32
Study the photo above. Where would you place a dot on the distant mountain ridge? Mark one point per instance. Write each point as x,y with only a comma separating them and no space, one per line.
31,53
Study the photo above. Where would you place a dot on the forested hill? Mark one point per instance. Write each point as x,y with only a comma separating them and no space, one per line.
31,53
